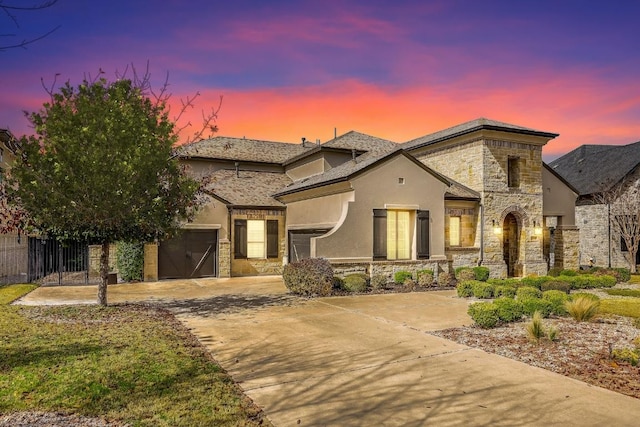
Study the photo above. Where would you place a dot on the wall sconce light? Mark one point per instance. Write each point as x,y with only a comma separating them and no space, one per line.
537,229
496,228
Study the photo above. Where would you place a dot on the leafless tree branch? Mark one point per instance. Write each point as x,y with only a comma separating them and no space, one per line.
7,10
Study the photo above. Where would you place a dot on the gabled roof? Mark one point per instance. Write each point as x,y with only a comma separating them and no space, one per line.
244,150
247,188
561,178
9,140
350,169
469,127
458,191
594,168
361,142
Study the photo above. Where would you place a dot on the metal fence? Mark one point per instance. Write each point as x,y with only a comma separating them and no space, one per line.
59,263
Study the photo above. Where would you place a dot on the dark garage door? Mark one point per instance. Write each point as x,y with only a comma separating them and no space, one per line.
300,243
189,255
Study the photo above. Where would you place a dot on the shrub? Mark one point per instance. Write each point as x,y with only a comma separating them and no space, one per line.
531,305
526,292
555,285
401,276
554,272
444,279
568,273
502,282
309,277
509,310
582,308
481,273
630,355
588,281
464,273
624,274
338,283
484,314
507,291
624,292
356,282
557,300
410,284
465,289
130,260
482,289
425,277
379,281
534,281
535,328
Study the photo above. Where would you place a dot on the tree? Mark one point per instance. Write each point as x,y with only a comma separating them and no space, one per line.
623,200
8,10
100,167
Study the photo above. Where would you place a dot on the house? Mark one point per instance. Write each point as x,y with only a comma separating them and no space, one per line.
474,194
594,170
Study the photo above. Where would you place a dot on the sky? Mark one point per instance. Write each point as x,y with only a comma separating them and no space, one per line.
393,69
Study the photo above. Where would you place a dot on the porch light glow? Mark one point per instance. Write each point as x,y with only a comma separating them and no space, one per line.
496,228
537,229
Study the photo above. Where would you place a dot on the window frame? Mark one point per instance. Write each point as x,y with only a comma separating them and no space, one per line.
458,231
270,240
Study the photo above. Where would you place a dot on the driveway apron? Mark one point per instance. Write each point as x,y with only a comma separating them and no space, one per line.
370,360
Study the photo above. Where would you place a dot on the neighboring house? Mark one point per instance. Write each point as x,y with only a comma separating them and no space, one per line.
474,194
593,170
13,247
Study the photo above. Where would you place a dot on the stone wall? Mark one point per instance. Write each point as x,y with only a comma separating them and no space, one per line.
224,258
567,244
389,268
150,268
593,221
95,252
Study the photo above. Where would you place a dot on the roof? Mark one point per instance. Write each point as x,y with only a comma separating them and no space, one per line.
245,150
458,191
351,168
247,188
361,142
472,126
9,140
594,168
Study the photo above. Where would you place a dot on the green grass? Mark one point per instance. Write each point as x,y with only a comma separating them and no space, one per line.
624,292
127,363
621,307
635,278
10,293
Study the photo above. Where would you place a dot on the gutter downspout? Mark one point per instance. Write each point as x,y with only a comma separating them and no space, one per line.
481,260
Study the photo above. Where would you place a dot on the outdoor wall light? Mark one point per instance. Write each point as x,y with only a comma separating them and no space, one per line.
537,229
496,228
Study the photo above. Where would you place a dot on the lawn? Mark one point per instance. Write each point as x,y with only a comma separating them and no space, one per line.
129,363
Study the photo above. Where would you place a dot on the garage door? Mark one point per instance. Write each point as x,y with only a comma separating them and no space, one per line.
300,243
192,254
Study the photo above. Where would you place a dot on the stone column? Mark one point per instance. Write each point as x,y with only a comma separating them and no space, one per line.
224,258
150,269
567,247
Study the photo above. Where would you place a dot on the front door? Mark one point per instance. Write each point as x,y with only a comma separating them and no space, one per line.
511,245
192,254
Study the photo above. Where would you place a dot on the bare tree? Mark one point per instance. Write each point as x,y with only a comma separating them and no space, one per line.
624,201
10,10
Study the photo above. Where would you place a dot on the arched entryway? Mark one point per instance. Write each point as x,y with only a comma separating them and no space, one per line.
511,245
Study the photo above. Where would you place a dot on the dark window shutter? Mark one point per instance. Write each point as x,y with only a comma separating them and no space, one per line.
423,234
240,238
379,234
272,238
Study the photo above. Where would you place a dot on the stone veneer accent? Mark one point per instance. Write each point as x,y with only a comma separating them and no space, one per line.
567,243
389,268
150,269
224,258
593,221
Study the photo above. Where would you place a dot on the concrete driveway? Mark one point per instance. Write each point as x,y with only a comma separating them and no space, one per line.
365,360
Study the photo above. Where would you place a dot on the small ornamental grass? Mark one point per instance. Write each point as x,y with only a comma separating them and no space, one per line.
536,329
582,308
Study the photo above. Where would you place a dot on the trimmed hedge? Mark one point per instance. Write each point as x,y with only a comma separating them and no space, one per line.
556,285
588,281
481,273
130,260
484,314
465,289
356,282
526,292
535,281
379,281
425,277
502,282
465,273
507,291
482,290
557,300
309,277
531,305
509,310
401,276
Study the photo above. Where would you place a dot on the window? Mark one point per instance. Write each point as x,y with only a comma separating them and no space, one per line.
392,234
255,239
513,172
454,231
398,235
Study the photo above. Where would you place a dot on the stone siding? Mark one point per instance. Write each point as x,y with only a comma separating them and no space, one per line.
224,258
389,268
150,269
567,244
463,257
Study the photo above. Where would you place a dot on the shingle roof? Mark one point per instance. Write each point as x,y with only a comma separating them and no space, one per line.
472,126
459,191
347,170
594,168
248,188
240,149
361,142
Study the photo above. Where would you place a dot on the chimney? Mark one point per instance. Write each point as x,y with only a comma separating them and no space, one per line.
303,140
237,169
318,141
353,154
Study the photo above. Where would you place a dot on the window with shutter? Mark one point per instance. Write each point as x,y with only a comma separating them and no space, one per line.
272,239
422,230
379,234
240,238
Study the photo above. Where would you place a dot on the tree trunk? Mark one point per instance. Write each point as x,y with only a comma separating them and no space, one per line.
104,274
632,261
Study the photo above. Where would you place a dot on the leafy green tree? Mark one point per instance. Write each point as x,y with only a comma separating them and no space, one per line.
100,168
